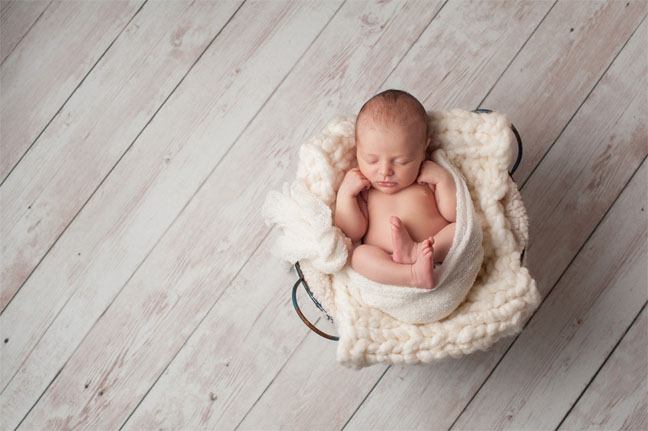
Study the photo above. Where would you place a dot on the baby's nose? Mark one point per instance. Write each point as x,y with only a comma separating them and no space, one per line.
385,170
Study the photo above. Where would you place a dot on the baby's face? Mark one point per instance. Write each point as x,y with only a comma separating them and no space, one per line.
390,154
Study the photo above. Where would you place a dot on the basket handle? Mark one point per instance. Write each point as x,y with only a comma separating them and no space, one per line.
313,328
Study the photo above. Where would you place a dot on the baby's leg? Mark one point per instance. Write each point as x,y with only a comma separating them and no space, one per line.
404,247
377,265
443,242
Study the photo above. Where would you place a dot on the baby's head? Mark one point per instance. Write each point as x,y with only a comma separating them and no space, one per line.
391,137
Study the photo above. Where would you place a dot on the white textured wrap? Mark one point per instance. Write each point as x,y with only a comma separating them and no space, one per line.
503,294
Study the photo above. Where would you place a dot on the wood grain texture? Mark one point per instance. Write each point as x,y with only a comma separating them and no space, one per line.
550,195
494,47
223,225
153,299
560,66
162,39
50,61
618,396
171,162
576,328
213,381
39,200
16,19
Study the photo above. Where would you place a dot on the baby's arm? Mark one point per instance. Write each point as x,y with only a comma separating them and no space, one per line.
350,217
446,198
445,192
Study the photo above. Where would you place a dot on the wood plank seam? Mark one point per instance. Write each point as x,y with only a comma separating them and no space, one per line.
307,333
189,200
40,396
605,361
93,193
521,187
188,337
515,57
26,33
585,99
560,277
271,229
587,239
68,98
251,121
495,83
414,43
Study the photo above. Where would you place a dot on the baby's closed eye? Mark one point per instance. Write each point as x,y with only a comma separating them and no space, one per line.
398,162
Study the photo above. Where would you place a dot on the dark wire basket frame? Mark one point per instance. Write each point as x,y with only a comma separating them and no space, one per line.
303,282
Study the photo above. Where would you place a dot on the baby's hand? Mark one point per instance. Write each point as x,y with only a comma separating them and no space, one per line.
354,183
430,173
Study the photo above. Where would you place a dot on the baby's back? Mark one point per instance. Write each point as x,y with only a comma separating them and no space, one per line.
414,205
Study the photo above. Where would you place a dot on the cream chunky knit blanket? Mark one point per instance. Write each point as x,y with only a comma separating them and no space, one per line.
378,330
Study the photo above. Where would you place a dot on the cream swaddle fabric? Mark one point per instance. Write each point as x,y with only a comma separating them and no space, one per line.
455,276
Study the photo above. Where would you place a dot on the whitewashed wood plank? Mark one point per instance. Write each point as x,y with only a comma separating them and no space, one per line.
307,391
52,59
563,207
181,397
233,355
587,34
618,396
577,326
452,65
163,41
314,380
150,186
126,88
16,18
226,208
294,372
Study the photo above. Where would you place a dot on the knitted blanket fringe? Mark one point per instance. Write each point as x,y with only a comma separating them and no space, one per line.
503,295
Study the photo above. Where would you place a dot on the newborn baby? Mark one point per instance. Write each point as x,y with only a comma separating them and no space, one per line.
400,205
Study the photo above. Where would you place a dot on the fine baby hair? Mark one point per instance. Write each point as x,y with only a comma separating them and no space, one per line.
394,107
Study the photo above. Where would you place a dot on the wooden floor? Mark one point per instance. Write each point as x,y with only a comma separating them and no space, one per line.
139,140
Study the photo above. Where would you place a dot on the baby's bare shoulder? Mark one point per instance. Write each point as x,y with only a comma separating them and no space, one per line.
434,164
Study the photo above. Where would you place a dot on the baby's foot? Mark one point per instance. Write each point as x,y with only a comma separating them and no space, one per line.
404,247
423,268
